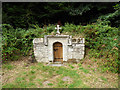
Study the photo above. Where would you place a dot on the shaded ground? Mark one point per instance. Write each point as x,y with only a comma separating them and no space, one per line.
21,74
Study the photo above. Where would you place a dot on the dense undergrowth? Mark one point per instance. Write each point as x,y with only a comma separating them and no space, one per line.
101,39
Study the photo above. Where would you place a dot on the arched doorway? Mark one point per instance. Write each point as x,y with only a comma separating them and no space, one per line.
58,52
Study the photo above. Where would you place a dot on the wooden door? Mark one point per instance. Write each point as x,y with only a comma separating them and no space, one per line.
58,52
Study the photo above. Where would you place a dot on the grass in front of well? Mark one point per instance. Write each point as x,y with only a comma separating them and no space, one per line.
38,75
7,66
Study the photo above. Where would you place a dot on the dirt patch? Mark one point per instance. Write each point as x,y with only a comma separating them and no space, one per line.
55,77
52,81
45,84
8,76
67,79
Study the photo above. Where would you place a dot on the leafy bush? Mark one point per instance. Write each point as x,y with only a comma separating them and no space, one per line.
103,42
18,41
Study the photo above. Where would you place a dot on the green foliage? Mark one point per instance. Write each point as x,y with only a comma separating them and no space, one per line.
18,41
71,66
72,28
80,65
112,18
23,15
103,42
89,66
117,7
32,72
82,8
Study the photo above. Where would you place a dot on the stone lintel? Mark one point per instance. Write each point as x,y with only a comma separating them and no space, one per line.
57,36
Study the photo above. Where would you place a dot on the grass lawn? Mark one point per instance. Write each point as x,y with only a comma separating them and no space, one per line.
20,74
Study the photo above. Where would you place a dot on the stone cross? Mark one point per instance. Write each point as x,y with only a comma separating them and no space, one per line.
58,32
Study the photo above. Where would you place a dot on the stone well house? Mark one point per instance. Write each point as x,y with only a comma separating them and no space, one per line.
58,48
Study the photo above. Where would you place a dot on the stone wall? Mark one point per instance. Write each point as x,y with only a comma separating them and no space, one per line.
40,50
77,49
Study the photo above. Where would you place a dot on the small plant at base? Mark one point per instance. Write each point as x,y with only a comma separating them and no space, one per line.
32,72
71,66
8,66
103,78
95,60
50,84
89,66
79,64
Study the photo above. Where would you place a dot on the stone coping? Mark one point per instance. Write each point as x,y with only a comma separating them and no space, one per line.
56,36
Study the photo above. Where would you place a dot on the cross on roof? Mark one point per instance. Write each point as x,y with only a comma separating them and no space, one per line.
58,32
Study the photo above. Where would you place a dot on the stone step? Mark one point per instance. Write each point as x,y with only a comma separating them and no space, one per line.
58,65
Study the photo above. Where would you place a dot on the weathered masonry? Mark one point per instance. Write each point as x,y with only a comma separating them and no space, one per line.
58,48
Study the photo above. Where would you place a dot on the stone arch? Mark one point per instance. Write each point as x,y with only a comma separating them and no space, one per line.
57,42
